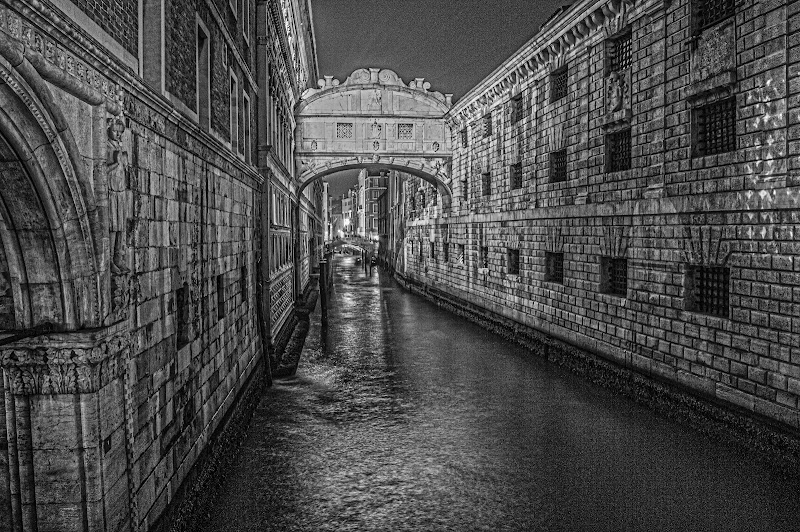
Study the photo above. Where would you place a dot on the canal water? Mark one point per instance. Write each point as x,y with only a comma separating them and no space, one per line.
408,418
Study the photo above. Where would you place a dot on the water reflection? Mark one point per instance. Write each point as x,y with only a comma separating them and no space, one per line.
408,418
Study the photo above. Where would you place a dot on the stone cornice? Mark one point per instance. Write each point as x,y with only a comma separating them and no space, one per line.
559,37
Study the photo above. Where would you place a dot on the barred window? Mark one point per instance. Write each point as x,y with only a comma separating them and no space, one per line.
220,297
618,53
554,267
614,276
513,261
460,256
709,12
432,247
486,178
487,125
434,198
465,189
464,138
344,130
446,252
484,259
707,289
516,109
182,309
405,131
516,176
618,151
558,166
558,84
715,128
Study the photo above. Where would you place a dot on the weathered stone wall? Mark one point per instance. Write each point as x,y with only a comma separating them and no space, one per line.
673,210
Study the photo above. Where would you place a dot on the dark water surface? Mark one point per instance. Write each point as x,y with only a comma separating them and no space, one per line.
415,419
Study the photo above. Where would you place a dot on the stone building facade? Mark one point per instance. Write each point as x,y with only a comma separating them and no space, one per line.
146,177
627,183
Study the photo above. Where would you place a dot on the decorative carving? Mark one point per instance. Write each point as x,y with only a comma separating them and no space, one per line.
313,145
367,76
615,92
614,241
618,98
436,146
714,53
376,145
118,195
376,130
705,244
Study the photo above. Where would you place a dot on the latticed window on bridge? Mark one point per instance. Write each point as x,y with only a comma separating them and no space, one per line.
486,179
558,166
464,137
554,267
487,124
516,176
513,261
619,55
707,289
484,258
715,127
614,276
618,151
405,131
558,84
709,12
344,130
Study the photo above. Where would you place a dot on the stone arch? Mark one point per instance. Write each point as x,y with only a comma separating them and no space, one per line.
47,214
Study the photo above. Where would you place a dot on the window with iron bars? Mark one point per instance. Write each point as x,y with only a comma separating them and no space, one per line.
464,137
619,54
516,176
487,124
618,151
432,247
715,127
554,267
486,178
558,84
484,258
614,276
344,130
405,131
558,166
709,12
446,251
707,289
517,110
513,261
465,189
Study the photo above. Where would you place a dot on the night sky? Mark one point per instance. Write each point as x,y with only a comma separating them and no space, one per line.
453,44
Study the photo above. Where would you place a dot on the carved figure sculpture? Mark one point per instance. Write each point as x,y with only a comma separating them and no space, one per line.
118,195
616,92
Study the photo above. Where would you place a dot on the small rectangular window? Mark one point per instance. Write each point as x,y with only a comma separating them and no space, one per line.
484,258
614,276
460,255
618,151
709,12
246,20
558,166
432,251
707,289
248,139
465,189
513,261
203,79
464,137
243,284
618,53
487,125
182,312
558,84
516,176
486,179
446,252
516,109
405,131
220,297
554,267
234,112
715,127
344,130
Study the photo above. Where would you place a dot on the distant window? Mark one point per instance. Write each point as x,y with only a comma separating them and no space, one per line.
558,84
614,276
513,261
487,124
486,179
182,311
554,267
709,12
247,142
516,176
707,289
558,166
344,130
243,284
434,198
405,131
618,53
234,112
484,258
715,127
432,250
465,189
220,297
203,78
246,20
446,251
464,137
516,109
618,151
460,255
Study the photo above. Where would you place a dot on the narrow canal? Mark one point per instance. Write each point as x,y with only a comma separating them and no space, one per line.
415,419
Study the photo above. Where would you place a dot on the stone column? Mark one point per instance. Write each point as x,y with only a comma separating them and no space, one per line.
65,452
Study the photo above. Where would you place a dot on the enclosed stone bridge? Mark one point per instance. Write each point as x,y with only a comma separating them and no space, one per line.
374,120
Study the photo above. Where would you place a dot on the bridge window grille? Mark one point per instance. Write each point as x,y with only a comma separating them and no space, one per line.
464,138
486,178
554,267
558,84
618,151
484,257
709,12
344,130
715,127
707,289
614,276
558,166
487,125
619,54
405,131
517,109
513,261
516,176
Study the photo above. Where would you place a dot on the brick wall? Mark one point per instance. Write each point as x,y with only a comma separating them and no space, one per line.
119,18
